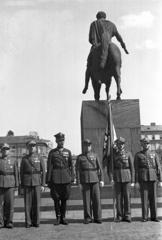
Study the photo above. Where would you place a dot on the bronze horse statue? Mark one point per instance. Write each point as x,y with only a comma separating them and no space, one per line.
111,69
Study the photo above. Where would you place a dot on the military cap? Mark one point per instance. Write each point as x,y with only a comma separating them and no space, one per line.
5,145
32,142
59,136
87,141
145,140
101,15
120,140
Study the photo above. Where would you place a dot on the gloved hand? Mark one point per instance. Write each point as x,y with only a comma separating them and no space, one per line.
101,183
102,65
137,185
112,183
132,184
80,186
159,184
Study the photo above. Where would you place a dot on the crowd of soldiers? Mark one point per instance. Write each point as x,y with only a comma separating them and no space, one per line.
144,172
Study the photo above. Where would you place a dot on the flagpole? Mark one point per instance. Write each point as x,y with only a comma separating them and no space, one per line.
111,154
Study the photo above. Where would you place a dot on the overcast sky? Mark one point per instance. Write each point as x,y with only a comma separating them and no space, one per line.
43,52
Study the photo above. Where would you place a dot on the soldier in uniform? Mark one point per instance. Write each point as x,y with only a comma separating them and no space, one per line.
123,177
89,176
147,174
32,174
59,177
8,183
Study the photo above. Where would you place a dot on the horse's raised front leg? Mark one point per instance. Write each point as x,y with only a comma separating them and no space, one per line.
87,78
117,77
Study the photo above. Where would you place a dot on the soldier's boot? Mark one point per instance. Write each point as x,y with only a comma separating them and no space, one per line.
63,221
58,214
63,211
58,221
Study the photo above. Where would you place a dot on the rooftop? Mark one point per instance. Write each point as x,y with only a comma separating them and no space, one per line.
11,139
151,127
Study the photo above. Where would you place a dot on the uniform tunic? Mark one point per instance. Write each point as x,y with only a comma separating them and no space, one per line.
59,177
88,173
123,177
8,181
32,173
147,172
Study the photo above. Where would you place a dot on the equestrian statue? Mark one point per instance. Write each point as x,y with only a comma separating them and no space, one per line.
104,60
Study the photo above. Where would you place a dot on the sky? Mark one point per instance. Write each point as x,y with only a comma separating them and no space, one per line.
43,54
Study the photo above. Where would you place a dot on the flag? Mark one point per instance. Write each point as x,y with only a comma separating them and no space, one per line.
109,138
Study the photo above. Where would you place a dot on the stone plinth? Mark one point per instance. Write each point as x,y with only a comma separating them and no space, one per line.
126,119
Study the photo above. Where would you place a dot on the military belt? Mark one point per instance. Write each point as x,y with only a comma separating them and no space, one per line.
34,172
59,167
89,169
122,168
147,167
6,173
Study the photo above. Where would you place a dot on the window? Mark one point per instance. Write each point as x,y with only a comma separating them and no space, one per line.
153,137
153,147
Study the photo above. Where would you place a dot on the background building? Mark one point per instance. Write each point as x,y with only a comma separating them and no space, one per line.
154,134
19,149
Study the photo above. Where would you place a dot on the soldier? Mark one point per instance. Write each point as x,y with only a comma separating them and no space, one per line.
123,177
8,184
147,174
89,176
59,177
32,174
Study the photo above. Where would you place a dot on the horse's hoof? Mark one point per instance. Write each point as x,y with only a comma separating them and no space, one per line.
108,97
84,90
118,98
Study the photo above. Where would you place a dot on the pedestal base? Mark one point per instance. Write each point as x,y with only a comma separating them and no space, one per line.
126,120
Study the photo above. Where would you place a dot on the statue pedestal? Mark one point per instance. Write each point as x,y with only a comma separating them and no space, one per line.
126,120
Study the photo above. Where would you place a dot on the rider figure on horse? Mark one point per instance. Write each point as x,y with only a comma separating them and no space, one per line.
97,29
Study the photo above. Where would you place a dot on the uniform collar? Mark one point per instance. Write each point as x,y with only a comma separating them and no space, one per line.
32,154
88,153
121,151
60,149
145,151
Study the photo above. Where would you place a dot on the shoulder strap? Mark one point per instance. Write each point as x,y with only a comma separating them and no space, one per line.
30,162
90,161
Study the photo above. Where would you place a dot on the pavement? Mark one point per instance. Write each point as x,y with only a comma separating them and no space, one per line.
76,229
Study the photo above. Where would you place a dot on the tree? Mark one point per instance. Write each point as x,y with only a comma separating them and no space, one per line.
10,133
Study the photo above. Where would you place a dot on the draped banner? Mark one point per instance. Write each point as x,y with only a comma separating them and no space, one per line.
109,138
